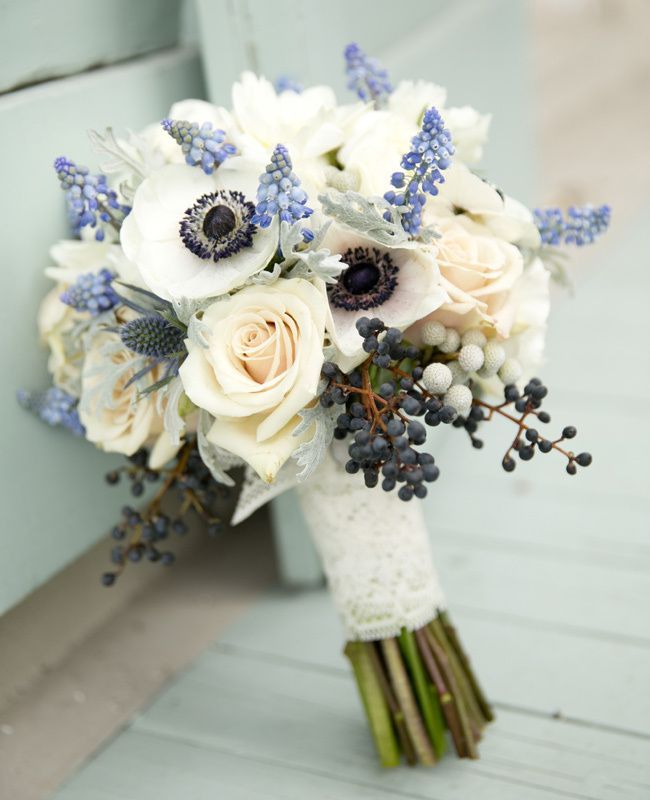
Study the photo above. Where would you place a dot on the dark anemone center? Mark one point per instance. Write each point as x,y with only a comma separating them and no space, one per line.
219,222
361,278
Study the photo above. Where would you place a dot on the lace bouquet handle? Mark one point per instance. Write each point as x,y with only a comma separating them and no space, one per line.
413,675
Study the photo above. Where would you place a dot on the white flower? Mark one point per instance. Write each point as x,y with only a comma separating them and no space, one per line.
478,272
469,132
530,301
56,320
117,419
309,124
169,265
261,366
379,138
464,192
399,285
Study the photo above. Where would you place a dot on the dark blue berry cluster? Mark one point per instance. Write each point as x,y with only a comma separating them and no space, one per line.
528,439
381,400
142,535
386,410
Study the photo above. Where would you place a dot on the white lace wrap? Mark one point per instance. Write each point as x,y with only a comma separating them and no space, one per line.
375,552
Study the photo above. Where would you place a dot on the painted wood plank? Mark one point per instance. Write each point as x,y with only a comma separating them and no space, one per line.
236,705
531,664
69,504
40,40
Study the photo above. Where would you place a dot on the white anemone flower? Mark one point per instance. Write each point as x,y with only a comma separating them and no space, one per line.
190,234
399,285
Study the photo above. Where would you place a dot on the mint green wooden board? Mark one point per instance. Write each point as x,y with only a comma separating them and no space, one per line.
55,502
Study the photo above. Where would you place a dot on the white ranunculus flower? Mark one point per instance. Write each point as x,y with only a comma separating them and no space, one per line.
478,272
464,192
56,320
469,132
189,234
378,139
397,284
309,124
127,420
261,366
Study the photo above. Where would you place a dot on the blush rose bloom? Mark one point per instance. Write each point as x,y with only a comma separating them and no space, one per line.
260,367
478,271
129,420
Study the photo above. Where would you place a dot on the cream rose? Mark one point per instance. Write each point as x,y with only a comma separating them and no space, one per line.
478,271
260,367
127,419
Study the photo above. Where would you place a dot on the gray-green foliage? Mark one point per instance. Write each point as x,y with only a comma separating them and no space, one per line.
311,261
309,454
366,216
209,452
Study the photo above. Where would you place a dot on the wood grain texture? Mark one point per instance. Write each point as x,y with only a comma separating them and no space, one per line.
40,40
304,727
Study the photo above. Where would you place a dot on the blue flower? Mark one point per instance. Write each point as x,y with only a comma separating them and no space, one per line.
92,292
366,76
284,83
90,201
430,154
279,192
55,407
582,225
152,335
203,145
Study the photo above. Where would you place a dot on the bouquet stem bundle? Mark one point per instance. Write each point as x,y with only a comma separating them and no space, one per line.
414,688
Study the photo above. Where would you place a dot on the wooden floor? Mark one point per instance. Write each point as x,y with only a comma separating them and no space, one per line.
549,582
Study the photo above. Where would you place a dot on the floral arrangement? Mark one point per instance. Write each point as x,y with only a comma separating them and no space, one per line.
304,289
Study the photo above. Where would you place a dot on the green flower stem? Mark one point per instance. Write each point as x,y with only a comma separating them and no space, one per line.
452,635
398,715
426,693
469,743
375,704
464,686
400,682
447,703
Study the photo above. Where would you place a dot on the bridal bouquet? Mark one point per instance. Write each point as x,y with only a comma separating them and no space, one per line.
296,291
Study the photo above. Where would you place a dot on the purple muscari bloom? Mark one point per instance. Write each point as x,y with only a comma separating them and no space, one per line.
90,201
92,292
430,154
279,192
204,145
287,84
55,407
366,76
581,225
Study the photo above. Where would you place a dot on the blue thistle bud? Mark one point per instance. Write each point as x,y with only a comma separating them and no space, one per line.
284,83
366,76
582,225
279,192
203,145
430,154
90,201
153,336
92,292
55,407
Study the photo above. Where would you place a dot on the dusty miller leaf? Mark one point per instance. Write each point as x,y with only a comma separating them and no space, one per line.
307,259
366,215
309,454
210,453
